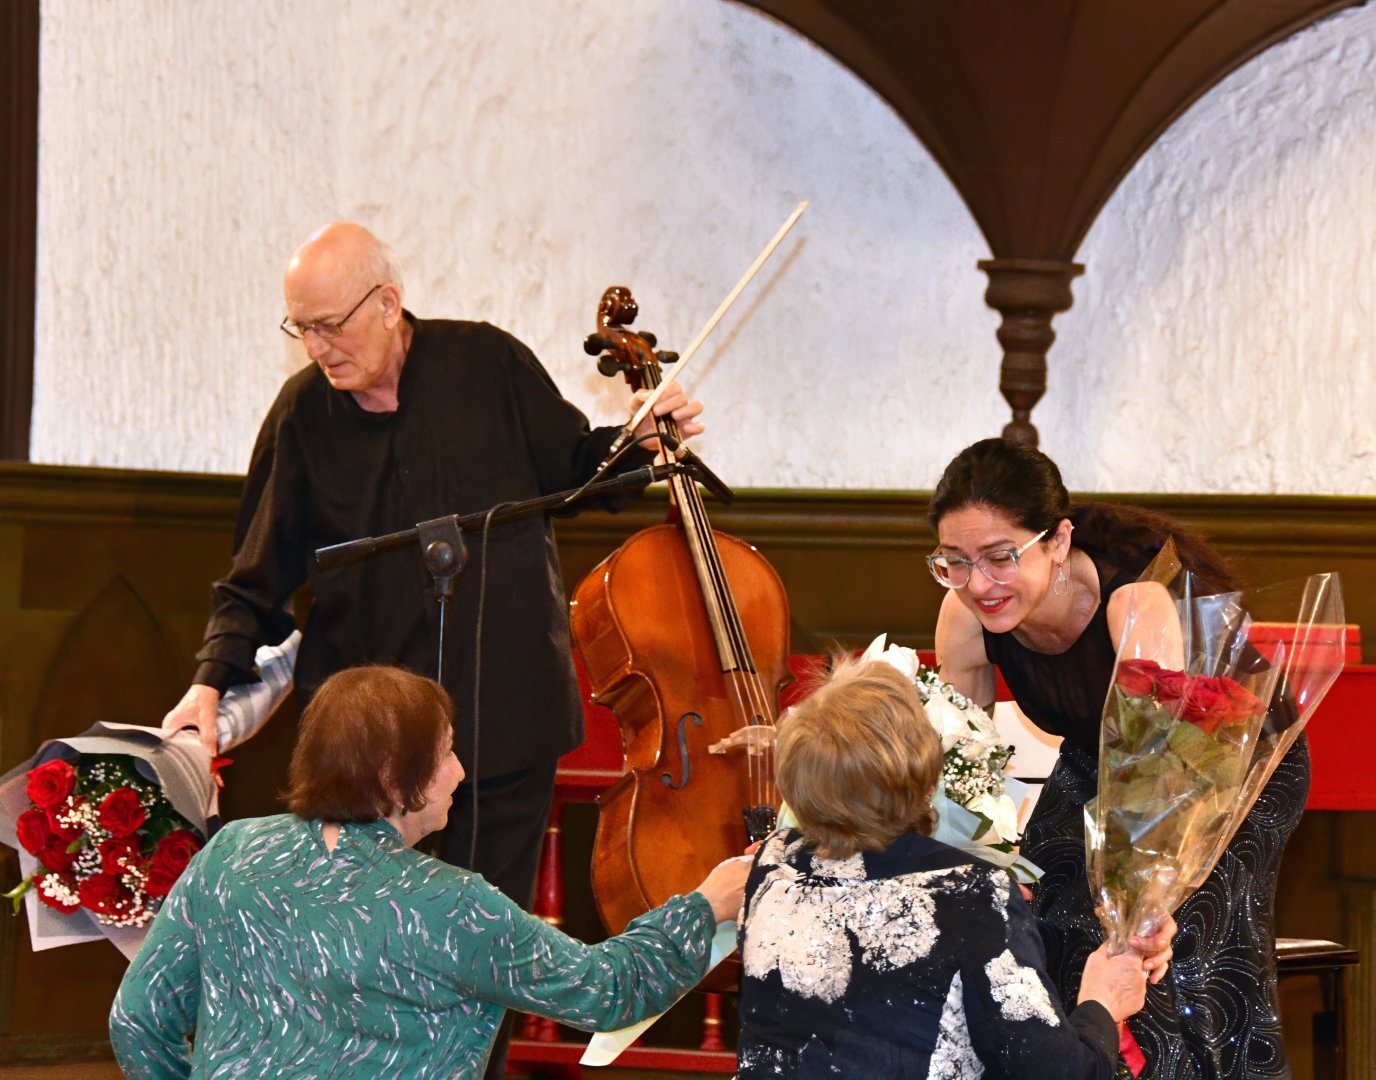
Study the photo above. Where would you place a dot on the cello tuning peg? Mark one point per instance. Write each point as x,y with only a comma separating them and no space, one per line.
595,343
667,357
649,338
609,365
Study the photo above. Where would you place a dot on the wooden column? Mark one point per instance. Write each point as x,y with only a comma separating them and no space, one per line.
18,220
1027,293
549,905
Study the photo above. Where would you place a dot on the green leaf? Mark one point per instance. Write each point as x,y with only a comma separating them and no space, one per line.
16,895
1231,772
1188,741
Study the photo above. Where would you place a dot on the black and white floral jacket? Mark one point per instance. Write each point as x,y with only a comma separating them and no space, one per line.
917,961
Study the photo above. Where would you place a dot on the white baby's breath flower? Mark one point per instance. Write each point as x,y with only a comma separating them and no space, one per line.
975,757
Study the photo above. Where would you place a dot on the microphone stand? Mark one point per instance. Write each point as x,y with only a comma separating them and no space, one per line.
441,543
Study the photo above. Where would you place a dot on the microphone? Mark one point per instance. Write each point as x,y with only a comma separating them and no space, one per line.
697,468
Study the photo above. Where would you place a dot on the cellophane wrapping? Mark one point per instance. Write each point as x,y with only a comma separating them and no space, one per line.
1209,693
175,761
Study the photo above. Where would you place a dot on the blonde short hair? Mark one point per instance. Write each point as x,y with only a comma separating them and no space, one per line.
856,761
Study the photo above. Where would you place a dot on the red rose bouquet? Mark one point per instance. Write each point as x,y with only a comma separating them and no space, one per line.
105,822
1203,706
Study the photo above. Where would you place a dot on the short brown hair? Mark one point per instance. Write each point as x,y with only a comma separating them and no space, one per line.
856,761
368,741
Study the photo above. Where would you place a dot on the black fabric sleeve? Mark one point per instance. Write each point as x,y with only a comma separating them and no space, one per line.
250,606
1096,1025
563,448
1015,1018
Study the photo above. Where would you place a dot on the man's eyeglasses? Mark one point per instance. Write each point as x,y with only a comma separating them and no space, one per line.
1000,566
322,329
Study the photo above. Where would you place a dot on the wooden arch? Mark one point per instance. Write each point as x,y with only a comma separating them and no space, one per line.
1036,110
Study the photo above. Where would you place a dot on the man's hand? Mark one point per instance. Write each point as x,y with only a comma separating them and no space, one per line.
675,403
197,709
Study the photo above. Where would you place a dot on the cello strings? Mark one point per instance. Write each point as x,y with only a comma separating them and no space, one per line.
752,704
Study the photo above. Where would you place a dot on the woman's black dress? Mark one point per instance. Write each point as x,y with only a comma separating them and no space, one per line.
1215,1014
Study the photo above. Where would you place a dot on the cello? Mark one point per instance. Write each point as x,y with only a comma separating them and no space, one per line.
665,626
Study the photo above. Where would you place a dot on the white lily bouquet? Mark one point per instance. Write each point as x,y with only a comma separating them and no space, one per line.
976,801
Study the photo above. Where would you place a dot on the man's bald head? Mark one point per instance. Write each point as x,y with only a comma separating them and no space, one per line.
343,254
343,294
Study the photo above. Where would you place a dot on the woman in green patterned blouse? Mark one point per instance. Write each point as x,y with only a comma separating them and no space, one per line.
320,944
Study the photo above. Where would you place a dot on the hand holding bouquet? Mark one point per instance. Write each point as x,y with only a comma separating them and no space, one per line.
1201,710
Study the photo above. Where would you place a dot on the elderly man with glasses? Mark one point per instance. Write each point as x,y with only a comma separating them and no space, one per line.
400,420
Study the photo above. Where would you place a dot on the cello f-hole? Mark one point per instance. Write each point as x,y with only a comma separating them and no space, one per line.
682,753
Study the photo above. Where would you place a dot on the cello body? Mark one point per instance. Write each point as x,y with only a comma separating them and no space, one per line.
640,624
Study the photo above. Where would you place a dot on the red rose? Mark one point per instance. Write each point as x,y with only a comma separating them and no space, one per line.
1217,703
32,831
55,855
66,832
104,894
121,813
171,858
1136,678
1241,701
118,851
1172,685
1206,707
69,889
50,784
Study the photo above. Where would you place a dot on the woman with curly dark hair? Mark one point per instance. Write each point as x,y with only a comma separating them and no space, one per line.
1039,590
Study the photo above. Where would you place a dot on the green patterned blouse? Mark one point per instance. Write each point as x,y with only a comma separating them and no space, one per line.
288,960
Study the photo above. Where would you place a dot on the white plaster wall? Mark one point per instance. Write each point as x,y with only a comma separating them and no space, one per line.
521,156
172,176
1222,336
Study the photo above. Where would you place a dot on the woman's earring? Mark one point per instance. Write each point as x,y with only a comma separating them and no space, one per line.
1062,583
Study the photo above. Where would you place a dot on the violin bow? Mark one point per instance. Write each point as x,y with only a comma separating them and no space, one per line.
708,327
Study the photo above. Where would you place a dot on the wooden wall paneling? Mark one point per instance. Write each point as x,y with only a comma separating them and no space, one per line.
853,561
103,580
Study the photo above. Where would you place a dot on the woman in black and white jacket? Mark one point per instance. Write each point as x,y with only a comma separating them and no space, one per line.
870,949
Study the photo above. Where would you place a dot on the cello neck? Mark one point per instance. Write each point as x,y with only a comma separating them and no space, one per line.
722,615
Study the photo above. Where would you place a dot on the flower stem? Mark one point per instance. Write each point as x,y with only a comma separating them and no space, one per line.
16,895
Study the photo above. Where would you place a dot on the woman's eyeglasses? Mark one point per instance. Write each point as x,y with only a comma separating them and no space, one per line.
1000,566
